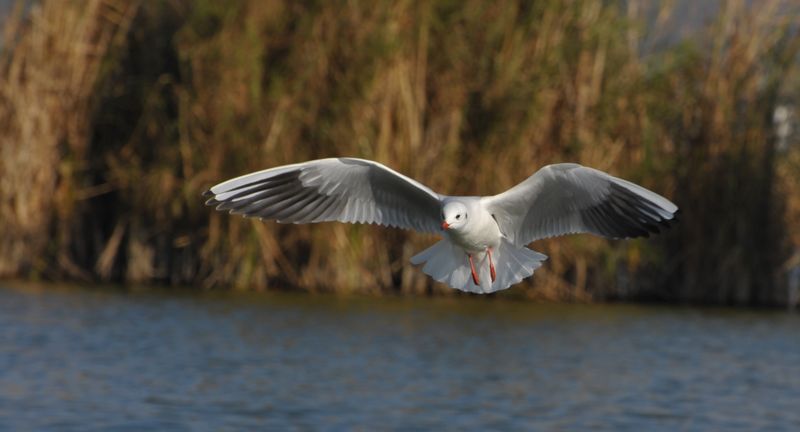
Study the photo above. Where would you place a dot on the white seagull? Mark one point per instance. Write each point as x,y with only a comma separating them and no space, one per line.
483,246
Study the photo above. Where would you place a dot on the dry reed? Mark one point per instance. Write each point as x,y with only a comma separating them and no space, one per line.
51,62
134,121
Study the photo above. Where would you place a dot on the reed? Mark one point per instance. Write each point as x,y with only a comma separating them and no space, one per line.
106,150
51,61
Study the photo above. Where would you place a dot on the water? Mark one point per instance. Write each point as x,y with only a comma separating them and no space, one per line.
73,359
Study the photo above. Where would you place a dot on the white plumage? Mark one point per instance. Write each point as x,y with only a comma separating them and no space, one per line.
483,246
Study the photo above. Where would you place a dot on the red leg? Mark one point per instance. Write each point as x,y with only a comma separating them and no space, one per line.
491,264
474,273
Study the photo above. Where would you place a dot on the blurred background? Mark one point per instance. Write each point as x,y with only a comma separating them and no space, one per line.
126,304
116,115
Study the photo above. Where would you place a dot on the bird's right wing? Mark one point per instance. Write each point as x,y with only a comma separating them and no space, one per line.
569,199
337,189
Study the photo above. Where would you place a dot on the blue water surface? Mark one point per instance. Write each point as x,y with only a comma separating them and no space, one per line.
74,359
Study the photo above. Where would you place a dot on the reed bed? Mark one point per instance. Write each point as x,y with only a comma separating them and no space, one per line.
118,115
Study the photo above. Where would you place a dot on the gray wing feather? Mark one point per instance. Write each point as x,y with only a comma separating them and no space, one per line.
338,189
569,199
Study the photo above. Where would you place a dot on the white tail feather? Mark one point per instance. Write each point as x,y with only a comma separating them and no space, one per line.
449,264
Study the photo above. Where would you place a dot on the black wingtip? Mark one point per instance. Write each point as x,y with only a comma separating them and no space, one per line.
211,200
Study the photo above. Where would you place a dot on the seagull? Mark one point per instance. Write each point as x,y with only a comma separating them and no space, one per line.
482,249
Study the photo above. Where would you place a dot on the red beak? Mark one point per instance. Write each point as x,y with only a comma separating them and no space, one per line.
445,225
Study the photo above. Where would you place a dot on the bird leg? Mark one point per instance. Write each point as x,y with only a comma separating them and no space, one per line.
491,264
474,273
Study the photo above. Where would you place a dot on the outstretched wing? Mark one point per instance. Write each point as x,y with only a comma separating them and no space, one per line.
569,198
338,189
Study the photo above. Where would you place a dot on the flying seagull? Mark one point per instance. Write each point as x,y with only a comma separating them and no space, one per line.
483,246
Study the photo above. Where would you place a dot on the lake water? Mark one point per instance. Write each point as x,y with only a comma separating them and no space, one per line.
103,359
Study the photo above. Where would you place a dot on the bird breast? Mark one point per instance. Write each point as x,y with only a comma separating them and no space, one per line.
479,233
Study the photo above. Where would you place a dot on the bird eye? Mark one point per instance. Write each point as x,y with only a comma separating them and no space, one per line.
458,216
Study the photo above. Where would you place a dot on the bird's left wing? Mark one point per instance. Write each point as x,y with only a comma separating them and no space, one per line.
337,189
569,199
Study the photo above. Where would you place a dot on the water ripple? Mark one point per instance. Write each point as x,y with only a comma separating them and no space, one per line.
76,359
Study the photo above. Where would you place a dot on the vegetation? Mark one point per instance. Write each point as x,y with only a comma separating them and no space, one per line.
117,114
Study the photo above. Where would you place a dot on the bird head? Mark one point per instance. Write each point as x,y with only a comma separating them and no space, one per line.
454,215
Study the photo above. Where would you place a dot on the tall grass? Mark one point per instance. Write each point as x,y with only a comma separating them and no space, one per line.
724,93
51,63
177,96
